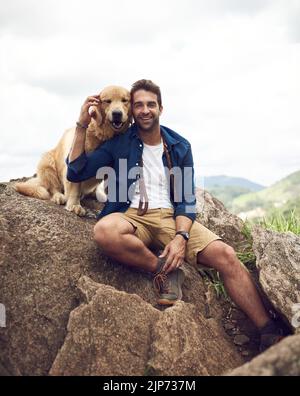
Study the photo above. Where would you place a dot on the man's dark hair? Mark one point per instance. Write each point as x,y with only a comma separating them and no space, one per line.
147,85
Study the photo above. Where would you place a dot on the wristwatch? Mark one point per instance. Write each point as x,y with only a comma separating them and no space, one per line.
184,234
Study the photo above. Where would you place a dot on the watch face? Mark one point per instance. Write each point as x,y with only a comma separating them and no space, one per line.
185,235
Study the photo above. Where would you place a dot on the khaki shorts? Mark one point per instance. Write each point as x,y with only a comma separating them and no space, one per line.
157,228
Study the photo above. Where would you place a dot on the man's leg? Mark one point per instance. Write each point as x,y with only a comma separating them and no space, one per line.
237,280
116,237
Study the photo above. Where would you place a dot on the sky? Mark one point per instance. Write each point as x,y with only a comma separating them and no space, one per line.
228,71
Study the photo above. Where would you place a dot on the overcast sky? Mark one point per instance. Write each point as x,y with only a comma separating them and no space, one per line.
228,70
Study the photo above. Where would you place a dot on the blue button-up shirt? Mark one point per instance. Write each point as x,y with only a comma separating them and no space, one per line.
124,152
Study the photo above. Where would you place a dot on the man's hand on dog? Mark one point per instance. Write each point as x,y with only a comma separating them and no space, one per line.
175,253
85,117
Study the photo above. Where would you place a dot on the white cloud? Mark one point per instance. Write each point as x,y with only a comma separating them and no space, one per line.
228,71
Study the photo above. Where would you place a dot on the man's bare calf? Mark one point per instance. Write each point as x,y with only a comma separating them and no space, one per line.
237,280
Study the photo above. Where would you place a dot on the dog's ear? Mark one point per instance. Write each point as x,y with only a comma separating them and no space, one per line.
130,116
102,112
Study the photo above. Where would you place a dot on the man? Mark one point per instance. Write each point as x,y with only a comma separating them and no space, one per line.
152,215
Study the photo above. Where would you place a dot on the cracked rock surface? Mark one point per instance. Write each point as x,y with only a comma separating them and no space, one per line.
72,311
278,261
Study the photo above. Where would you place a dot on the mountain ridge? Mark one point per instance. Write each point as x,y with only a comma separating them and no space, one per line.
224,180
282,196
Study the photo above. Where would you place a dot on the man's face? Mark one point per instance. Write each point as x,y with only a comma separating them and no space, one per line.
145,110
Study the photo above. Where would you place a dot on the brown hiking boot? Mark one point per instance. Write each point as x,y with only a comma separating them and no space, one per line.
168,286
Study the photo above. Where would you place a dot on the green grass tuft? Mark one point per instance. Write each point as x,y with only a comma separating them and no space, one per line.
282,223
212,276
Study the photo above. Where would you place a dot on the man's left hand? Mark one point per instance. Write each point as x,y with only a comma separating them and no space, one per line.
175,253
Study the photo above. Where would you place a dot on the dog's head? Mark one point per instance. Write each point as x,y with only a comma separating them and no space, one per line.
114,110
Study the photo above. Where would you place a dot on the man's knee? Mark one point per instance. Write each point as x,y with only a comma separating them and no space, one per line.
230,264
103,233
229,253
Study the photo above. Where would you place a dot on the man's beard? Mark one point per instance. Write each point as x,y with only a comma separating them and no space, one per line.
150,127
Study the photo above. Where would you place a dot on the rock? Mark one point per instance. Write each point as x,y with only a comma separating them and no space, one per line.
229,326
282,359
245,353
212,306
241,339
44,251
185,343
3,371
213,215
109,335
71,310
116,333
237,315
278,261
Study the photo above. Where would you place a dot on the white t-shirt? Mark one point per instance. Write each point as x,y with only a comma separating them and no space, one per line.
155,179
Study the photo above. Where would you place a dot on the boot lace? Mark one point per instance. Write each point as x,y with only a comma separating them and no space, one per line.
161,284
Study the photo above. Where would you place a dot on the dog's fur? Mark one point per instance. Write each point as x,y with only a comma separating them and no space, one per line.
51,182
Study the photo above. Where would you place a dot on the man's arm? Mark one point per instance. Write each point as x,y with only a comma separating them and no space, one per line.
82,166
84,119
185,214
187,200
175,250
78,144
183,223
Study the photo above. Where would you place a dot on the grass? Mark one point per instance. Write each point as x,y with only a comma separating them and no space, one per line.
212,276
219,286
278,222
246,256
275,222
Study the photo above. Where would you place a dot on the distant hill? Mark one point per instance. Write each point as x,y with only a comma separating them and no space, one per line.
228,181
227,188
282,196
252,200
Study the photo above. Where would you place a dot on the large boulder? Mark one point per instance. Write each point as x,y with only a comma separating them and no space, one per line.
116,333
212,214
44,251
282,359
71,310
278,261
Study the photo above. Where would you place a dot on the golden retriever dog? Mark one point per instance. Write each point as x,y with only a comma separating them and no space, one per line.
112,116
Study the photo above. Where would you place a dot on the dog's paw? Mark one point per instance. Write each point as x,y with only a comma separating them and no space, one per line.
77,209
59,199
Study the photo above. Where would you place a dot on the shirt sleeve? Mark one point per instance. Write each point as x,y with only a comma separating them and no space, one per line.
187,205
87,164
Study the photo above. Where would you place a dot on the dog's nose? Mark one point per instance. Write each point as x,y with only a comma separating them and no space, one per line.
117,115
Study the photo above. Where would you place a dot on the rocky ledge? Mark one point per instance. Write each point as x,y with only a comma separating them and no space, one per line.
72,311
